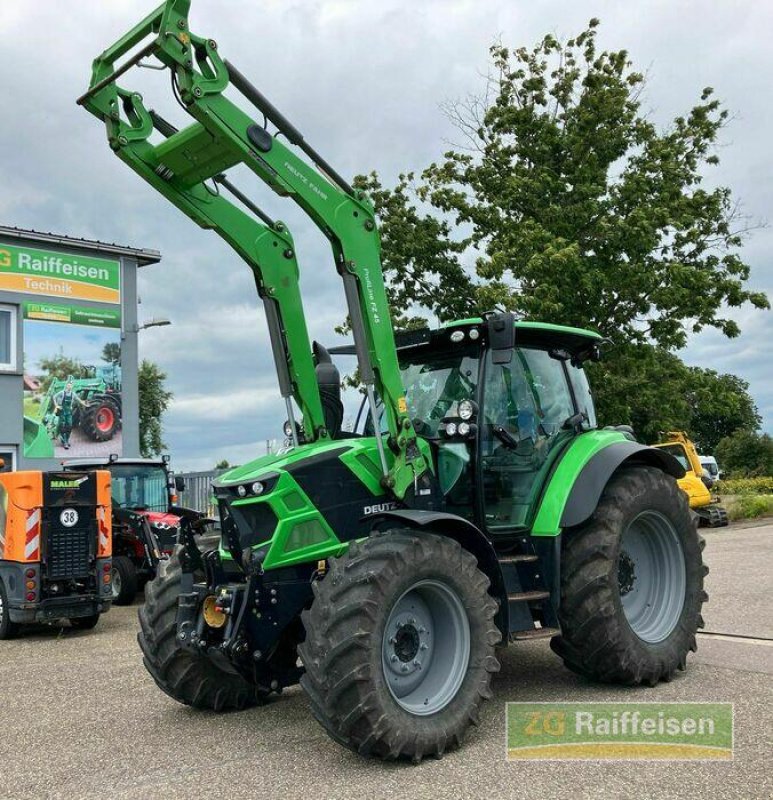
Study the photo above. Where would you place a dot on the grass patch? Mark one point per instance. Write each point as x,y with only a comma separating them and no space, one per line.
32,407
761,485
749,506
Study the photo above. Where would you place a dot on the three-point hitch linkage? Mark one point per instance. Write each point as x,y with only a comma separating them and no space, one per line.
189,168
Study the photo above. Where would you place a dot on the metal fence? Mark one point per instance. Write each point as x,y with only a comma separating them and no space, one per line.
198,493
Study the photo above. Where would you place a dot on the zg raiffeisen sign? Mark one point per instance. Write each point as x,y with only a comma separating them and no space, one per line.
60,275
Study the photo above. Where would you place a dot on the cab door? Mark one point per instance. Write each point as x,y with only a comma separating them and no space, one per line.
525,405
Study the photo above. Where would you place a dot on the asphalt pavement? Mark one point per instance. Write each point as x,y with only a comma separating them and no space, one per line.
80,718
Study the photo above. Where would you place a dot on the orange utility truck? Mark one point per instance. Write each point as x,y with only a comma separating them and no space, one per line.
55,548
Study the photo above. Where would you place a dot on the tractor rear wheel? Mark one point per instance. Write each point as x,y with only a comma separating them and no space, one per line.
191,679
399,647
101,420
632,583
8,629
125,583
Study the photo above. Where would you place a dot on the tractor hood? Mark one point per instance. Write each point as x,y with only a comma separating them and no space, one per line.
159,518
296,504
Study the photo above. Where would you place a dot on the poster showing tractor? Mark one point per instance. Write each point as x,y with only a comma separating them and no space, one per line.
72,381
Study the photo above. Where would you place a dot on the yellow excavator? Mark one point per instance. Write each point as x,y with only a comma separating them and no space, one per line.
697,483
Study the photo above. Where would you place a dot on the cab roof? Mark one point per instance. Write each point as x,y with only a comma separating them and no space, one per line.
527,333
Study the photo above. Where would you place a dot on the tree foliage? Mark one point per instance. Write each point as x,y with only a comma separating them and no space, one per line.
61,367
654,391
111,353
581,211
566,203
746,454
154,400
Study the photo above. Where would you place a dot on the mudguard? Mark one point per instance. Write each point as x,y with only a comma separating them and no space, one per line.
587,489
469,536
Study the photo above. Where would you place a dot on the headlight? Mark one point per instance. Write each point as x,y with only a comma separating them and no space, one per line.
474,334
466,411
451,429
457,336
241,491
257,487
464,429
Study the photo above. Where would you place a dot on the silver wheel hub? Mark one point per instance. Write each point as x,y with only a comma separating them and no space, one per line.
116,582
426,647
652,578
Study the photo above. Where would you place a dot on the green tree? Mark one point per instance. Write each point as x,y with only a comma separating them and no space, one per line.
573,207
61,367
154,400
720,406
223,464
654,391
111,353
745,454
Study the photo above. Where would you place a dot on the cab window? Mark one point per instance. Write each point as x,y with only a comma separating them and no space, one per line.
525,405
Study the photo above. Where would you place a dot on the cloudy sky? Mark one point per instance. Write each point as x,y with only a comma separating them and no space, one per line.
364,81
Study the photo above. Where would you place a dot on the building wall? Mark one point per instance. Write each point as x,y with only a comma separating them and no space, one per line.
12,384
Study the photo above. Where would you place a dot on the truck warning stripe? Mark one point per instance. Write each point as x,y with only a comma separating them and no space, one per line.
104,539
32,541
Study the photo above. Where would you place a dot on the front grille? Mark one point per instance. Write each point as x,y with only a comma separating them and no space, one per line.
68,553
255,521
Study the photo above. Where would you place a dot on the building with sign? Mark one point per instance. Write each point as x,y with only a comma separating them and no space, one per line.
68,348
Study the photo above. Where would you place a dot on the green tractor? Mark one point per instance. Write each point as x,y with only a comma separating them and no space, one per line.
99,418
477,505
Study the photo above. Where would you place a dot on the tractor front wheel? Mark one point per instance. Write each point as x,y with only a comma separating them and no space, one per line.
399,648
632,583
191,679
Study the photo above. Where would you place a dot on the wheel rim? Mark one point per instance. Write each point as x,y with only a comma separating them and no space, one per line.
105,419
116,575
426,647
651,576
2,609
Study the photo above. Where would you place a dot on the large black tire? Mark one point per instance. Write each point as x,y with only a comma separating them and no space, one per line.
125,581
8,629
347,676
101,419
85,623
599,638
189,678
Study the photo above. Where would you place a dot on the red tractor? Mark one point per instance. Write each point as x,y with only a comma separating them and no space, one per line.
146,518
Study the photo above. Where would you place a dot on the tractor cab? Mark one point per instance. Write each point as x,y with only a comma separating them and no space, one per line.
497,414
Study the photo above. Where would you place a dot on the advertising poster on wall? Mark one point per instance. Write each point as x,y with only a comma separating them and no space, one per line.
72,381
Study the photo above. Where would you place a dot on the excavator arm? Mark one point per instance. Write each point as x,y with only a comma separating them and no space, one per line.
188,167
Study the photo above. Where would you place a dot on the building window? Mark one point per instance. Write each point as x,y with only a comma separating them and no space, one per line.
8,338
8,457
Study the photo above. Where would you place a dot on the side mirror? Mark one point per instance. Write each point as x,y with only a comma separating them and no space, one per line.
179,483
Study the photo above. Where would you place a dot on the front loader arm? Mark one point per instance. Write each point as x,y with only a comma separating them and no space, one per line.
223,136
